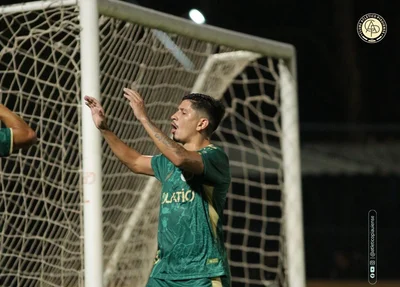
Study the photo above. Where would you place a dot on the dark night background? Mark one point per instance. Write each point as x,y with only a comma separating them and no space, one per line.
348,93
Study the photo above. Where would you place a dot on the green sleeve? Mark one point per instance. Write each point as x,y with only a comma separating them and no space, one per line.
216,165
6,142
159,166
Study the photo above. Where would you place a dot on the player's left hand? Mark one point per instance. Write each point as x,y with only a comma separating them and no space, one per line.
137,104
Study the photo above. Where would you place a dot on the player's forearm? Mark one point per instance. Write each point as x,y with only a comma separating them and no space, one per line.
122,151
172,150
11,120
23,135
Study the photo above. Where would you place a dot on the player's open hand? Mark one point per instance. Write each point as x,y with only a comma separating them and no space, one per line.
137,104
98,115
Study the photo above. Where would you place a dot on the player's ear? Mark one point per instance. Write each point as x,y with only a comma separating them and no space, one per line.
202,124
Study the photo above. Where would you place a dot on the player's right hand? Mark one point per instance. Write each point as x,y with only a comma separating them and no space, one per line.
98,115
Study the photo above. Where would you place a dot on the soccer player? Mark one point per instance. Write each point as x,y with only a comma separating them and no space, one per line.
17,133
195,177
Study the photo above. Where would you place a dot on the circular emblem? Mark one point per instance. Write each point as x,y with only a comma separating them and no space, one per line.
371,28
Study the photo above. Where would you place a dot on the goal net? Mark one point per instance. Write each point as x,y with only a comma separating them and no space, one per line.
42,203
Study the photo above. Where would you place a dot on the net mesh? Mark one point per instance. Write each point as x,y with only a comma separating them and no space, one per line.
41,234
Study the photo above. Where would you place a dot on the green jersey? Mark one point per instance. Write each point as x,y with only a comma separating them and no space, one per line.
6,142
190,234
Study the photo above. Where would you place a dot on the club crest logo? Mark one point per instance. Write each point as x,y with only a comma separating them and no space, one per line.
371,28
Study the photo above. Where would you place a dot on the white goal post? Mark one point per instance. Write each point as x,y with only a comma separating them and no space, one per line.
71,214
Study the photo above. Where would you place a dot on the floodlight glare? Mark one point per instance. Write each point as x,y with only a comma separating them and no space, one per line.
197,16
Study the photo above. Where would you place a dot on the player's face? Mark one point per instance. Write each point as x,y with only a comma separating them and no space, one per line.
184,122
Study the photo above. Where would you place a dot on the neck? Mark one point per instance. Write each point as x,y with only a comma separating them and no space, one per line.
196,145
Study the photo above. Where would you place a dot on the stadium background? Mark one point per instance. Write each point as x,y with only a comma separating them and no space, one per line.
348,100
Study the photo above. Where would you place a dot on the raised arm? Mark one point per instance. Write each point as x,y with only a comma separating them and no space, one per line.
128,156
23,135
176,153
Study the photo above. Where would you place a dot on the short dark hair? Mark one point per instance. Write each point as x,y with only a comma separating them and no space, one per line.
213,108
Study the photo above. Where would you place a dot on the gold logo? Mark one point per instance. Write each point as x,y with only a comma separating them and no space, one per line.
371,28
212,261
178,196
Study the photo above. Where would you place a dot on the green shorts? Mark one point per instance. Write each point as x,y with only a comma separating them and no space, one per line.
200,282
